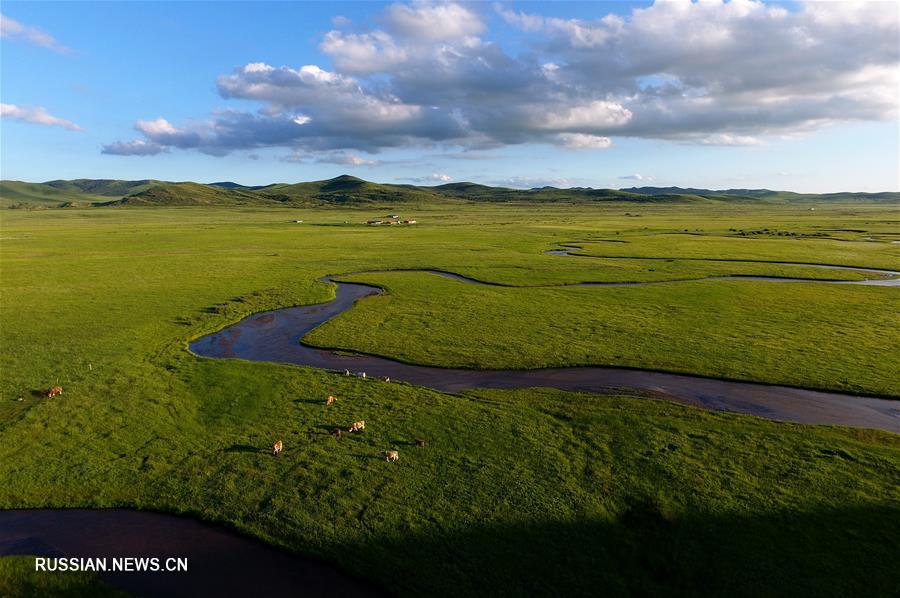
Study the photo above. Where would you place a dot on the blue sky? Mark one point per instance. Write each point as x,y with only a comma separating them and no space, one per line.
738,94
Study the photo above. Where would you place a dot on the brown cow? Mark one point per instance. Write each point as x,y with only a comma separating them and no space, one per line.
357,426
56,390
420,442
391,455
277,448
330,400
336,432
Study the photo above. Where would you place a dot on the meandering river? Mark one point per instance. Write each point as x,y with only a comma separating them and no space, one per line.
277,335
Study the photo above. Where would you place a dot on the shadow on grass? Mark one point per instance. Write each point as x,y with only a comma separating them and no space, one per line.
646,551
329,428
403,442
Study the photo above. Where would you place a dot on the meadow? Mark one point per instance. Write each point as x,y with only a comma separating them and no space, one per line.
641,496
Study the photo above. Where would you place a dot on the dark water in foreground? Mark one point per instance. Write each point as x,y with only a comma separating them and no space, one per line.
220,562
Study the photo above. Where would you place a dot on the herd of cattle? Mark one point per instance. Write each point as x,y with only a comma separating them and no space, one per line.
331,400
358,426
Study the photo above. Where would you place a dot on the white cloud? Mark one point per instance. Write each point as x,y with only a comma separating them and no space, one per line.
361,53
728,139
36,115
432,21
638,177
438,178
598,114
427,75
583,141
523,21
13,29
160,126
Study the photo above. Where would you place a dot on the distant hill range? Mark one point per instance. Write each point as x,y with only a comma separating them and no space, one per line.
764,194
347,190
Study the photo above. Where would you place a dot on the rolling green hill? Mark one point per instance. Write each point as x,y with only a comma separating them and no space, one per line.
476,192
348,190
22,194
188,194
60,193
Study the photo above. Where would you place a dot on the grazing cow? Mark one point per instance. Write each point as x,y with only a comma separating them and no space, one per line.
361,374
346,372
56,390
420,442
386,379
336,432
277,448
391,455
357,426
330,400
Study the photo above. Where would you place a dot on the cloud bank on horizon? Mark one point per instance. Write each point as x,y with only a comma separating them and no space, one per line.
428,75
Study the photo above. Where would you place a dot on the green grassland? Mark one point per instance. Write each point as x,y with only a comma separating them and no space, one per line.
638,496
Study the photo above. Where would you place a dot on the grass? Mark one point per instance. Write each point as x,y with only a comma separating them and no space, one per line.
843,252
640,496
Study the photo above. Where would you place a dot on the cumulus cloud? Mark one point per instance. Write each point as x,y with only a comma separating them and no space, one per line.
583,141
137,147
428,75
36,115
432,21
637,177
437,178
13,29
